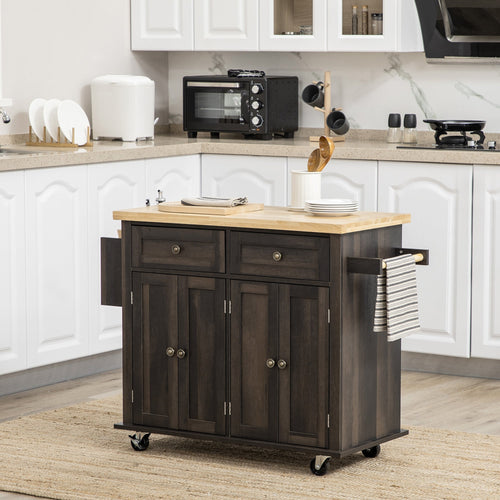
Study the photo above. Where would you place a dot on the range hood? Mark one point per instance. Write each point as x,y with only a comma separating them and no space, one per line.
460,30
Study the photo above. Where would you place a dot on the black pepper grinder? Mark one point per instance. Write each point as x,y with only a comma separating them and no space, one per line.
410,129
394,130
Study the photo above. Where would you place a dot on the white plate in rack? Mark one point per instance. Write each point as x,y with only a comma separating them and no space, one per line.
50,117
35,113
70,115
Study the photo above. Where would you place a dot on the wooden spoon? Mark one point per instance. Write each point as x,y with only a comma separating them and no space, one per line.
326,147
314,161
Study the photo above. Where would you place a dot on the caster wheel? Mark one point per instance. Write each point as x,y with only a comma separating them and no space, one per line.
138,443
322,470
372,452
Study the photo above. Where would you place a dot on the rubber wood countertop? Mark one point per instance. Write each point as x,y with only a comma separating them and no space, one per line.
276,218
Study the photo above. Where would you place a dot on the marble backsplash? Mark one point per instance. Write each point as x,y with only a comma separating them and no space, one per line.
366,86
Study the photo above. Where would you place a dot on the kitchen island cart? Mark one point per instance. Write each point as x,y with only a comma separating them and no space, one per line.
256,328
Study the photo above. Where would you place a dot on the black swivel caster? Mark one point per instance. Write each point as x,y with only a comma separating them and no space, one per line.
372,452
138,443
319,464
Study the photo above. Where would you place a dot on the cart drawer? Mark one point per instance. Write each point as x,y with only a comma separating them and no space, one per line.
278,255
178,248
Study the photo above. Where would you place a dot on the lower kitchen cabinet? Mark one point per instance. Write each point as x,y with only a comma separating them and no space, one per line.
485,267
279,362
13,346
179,352
439,199
262,179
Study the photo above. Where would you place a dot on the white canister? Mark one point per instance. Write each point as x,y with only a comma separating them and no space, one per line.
305,186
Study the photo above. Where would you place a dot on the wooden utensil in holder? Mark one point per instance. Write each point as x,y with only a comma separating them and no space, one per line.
61,142
326,109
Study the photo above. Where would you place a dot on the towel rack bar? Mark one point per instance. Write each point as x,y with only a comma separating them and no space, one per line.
371,265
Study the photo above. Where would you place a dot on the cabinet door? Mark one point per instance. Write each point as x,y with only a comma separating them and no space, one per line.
176,176
12,270
400,27
155,377
485,268
293,25
57,264
112,186
439,199
161,24
254,385
202,369
303,382
353,179
226,25
261,179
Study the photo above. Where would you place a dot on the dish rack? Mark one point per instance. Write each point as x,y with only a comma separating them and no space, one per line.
61,142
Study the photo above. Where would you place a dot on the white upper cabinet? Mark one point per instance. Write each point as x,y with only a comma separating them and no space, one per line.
439,199
485,267
398,30
226,24
162,24
293,25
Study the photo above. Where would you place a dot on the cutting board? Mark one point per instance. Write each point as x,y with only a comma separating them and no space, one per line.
178,207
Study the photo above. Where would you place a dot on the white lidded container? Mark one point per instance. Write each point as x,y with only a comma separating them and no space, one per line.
123,107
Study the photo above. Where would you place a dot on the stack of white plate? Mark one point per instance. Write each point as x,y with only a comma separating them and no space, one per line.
331,207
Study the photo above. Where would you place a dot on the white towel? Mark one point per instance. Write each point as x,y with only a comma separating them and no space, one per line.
396,307
205,201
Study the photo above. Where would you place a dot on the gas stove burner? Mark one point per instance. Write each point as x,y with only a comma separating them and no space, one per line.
443,140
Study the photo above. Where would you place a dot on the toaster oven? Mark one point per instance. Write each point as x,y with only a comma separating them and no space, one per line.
248,102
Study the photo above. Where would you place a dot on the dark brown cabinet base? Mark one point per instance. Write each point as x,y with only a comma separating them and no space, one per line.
282,356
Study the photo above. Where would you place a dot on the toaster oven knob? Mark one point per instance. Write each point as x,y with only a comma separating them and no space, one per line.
257,88
256,104
257,120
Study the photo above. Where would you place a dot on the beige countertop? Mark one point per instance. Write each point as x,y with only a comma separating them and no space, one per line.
276,218
360,145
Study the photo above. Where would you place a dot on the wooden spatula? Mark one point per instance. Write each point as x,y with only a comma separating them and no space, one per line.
326,147
314,161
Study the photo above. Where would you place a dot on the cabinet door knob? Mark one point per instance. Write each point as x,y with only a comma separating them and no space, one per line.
277,256
270,363
176,249
170,351
181,353
281,364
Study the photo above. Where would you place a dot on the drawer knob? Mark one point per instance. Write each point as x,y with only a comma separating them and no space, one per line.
270,363
170,351
281,364
181,353
176,249
277,256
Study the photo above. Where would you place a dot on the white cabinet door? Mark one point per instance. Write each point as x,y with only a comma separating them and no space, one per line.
161,24
485,264
12,272
400,31
287,16
353,179
112,186
226,24
176,176
439,199
57,264
262,179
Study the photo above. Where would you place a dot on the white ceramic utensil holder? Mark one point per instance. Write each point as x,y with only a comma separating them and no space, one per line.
305,186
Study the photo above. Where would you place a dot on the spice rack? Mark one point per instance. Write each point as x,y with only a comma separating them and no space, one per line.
62,142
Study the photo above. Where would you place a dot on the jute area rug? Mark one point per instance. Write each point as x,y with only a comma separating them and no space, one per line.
74,453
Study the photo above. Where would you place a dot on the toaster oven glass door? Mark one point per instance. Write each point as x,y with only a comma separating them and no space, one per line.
217,106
